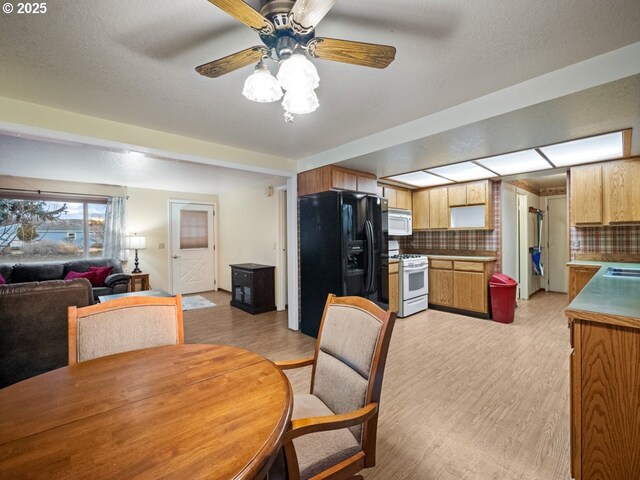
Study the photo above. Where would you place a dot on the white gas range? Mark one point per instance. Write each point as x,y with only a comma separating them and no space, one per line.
413,277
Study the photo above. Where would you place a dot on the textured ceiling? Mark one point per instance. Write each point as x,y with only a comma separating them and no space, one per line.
133,62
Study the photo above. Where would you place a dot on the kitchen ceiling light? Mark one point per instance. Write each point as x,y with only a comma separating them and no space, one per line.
420,179
299,73
261,86
586,150
300,101
462,172
518,162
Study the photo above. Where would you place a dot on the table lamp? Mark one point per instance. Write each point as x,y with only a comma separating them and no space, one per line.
135,243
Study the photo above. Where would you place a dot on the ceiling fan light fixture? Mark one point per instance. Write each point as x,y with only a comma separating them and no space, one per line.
298,73
261,86
300,101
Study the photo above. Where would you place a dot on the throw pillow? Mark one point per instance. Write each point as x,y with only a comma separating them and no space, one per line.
101,273
88,275
2,280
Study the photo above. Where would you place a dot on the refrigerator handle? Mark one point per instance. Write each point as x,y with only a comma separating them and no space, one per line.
370,257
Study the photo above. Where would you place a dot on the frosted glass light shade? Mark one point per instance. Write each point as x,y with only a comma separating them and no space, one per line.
298,73
300,101
262,87
586,150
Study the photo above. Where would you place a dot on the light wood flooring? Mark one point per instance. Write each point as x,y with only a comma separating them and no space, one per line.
463,398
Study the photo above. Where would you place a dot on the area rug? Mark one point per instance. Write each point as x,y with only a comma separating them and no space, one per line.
195,301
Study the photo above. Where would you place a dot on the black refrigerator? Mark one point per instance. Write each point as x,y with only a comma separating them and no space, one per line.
343,242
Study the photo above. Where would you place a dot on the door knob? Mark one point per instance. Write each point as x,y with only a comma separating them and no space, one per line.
176,256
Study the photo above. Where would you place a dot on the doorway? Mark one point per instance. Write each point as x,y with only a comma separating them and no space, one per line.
192,247
281,249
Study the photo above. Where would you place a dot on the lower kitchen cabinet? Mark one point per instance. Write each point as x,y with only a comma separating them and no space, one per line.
460,284
441,287
393,287
579,276
605,397
252,287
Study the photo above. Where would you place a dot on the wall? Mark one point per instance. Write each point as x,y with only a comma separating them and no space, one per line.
608,239
509,230
529,234
471,241
248,222
148,215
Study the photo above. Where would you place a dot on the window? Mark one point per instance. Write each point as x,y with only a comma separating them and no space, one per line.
33,229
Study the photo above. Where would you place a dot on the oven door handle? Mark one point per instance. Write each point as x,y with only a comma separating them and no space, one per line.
415,269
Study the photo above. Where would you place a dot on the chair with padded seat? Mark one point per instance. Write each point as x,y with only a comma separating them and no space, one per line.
122,325
333,428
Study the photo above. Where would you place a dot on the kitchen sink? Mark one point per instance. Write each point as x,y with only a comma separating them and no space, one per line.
622,272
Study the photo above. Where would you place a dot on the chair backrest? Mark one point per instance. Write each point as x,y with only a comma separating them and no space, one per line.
125,324
350,357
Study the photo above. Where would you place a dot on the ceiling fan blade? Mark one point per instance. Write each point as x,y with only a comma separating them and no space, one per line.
306,14
347,51
232,62
247,15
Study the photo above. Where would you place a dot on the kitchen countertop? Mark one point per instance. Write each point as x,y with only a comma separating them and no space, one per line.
609,295
462,257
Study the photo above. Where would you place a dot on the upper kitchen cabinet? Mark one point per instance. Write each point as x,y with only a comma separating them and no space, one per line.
420,202
397,197
586,195
438,207
336,178
621,198
475,193
605,193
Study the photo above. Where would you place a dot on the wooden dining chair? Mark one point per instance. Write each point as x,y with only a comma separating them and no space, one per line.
333,428
125,324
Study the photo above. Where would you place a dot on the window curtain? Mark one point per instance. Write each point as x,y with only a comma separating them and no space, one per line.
115,228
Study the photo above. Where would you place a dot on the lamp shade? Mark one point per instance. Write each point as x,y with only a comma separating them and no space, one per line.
300,101
135,243
262,87
298,73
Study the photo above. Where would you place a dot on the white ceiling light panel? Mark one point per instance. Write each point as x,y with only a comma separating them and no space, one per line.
420,179
518,162
585,150
462,172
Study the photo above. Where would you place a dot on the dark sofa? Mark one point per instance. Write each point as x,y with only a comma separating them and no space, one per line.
117,282
34,326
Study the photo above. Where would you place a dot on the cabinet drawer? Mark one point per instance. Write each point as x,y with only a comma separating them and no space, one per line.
443,264
468,266
393,267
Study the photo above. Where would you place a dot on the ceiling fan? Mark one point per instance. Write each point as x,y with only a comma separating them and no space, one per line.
287,30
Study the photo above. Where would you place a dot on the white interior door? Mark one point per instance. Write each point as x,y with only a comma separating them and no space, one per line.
192,248
558,247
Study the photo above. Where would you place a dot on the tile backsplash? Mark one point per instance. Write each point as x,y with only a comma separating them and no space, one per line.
608,239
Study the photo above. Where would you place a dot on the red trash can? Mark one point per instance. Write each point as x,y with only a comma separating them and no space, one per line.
502,290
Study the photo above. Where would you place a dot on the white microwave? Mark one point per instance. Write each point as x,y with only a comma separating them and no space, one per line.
399,222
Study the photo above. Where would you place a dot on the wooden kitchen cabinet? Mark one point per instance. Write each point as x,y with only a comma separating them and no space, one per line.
460,284
252,287
420,202
457,195
394,294
331,177
605,396
398,197
586,195
440,287
464,194
438,208
579,276
621,192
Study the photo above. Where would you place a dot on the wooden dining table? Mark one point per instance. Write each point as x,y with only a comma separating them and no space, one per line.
180,411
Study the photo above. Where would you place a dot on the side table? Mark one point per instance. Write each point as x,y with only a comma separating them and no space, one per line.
141,279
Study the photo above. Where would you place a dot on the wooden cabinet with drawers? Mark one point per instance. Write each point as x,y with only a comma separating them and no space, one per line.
252,287
394,285
397,197
579,276
332,177
460,284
